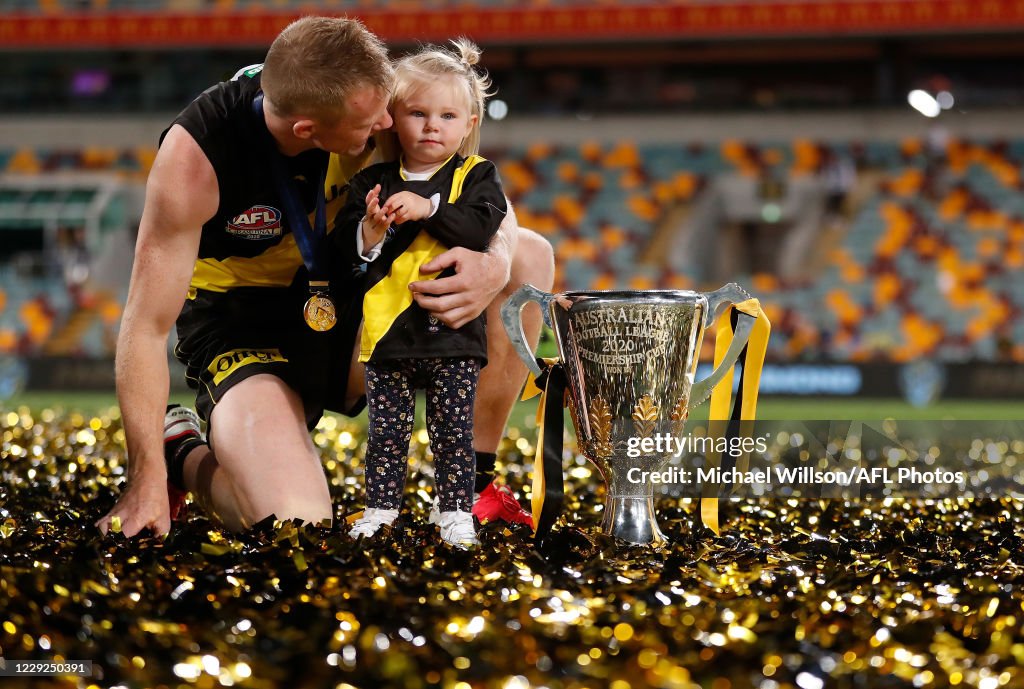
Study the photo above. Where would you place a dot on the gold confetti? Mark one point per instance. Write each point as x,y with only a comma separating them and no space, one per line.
801,593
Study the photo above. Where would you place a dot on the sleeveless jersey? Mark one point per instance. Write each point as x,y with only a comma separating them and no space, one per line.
248,243
243,315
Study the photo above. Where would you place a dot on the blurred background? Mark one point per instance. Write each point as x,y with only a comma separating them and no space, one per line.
856,165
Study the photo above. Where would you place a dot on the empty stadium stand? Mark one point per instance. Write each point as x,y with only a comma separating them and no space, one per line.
928,263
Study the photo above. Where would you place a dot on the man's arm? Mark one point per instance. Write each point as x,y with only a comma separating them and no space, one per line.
506,240
181,195
478,279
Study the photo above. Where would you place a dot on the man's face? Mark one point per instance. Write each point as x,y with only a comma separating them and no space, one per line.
366,113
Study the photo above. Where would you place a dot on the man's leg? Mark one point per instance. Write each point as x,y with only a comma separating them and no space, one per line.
355,386
502,379
265,461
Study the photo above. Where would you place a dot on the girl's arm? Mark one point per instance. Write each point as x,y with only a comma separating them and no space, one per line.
375,223
470,222
361,224
475,216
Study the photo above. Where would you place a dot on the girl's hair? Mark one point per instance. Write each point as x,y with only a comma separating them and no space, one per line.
423,67
316,63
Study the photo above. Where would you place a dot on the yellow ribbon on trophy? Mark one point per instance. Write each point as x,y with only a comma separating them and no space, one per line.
548,491
730,417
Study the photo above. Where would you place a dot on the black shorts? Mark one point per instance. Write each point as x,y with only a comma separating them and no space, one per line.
223,338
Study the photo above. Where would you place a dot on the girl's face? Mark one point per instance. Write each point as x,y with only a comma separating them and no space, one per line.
431,122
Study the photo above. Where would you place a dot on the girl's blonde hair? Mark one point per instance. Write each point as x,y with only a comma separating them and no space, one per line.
423,67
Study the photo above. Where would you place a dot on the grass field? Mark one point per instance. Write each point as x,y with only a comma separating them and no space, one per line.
792,408
804,409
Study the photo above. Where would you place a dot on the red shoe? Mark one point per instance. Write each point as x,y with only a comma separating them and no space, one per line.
498,502
176,499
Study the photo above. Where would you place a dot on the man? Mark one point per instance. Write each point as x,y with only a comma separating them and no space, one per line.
213,236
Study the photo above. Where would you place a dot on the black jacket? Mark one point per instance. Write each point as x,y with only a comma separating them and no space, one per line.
472,206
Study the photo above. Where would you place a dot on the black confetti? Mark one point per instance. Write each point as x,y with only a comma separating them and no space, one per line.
794,593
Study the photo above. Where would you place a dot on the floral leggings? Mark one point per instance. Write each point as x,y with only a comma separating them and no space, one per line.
450,384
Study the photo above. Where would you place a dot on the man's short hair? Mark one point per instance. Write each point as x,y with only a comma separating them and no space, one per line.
316,63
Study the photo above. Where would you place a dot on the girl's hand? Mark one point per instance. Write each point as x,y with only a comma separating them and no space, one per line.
406,206
376,221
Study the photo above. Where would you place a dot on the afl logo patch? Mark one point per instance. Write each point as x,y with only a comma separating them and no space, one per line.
259,222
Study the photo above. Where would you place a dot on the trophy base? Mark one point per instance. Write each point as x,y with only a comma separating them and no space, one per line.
631,518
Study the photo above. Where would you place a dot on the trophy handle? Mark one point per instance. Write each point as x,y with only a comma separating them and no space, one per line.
511,318
726,294
729,294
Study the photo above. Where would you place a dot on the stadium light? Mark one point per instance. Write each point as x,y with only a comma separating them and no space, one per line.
924,103
771,213
497,109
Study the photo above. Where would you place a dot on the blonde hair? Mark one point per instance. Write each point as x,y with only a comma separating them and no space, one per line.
316,63
423,67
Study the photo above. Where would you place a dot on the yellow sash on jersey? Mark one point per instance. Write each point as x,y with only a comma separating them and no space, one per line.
389,298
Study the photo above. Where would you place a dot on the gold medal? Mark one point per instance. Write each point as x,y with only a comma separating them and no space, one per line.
320,313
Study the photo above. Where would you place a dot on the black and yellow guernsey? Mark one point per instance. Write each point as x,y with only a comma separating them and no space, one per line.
470,209
248,243
249,282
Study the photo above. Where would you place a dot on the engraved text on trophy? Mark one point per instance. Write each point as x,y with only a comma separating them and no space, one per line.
619,339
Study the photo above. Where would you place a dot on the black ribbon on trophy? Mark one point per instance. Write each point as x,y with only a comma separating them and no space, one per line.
548,488
319,311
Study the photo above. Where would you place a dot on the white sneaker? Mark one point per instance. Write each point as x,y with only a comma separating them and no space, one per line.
180,421
371,521
435,509
457,528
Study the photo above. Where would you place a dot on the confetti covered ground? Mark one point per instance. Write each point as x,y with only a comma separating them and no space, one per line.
807,594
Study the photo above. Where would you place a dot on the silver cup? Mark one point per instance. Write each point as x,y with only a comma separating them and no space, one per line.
630,358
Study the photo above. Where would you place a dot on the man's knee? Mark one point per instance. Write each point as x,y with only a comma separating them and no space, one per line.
356,385
533,262
296,503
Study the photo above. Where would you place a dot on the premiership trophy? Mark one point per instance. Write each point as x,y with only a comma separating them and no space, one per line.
629,359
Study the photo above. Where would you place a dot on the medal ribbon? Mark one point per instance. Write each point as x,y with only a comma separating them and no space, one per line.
309,239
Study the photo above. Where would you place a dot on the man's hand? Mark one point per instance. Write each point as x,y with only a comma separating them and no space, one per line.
142,505
458,299
406,206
